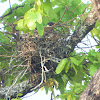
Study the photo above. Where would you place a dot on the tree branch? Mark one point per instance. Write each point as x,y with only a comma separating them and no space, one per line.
18,88
87,25
92,92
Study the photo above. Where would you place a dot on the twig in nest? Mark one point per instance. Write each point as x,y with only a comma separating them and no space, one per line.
28,66
16,65
42,64
43,71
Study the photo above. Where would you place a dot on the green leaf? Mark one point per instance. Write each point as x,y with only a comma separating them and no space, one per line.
14,99
31,17
98,56
97,47
19,94
61,85
95,31
40,29
61,65
75,61
92,70
31,24
3,99
78,77
39,17
30,20
2,1
52,0
4,39
67,67
20,0
65,79
20,25
73,66
69,97
47,5
82,58
47,89
29,13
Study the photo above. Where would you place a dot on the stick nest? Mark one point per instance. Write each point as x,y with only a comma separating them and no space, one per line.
43,52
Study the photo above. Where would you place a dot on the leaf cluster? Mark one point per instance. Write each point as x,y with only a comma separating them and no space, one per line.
76,71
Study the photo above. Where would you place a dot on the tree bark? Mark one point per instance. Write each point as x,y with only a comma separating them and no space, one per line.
25,87
18,88
92,92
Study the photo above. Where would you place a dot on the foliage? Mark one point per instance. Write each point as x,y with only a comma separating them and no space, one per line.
17,97
76,70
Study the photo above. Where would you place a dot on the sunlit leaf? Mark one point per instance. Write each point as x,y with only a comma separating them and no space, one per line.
95,31
61,66
29,13
69,97
31,25
20,25
20,0
39,17
3,1
42,88
52,0
97,47
19,94
40,29
14,99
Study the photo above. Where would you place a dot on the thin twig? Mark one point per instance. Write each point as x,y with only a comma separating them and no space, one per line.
11,11
28,66
16,65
